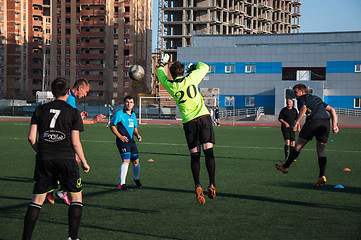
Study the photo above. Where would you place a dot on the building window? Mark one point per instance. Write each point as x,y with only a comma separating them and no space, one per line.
126,41
211,68
229,68
229,101
249,102
358,67
357,102
303,75
250,68
126,74
126,62
115,73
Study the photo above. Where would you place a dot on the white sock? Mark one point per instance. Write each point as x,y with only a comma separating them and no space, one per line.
136,170
123,172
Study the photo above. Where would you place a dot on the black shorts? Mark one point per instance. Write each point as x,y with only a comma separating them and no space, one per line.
319,128
127,150
288,134
49,171
199,131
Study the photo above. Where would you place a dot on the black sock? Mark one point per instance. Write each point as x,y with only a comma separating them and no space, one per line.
210,164
322,161
293,155
30,220
195,166
286,151
74,217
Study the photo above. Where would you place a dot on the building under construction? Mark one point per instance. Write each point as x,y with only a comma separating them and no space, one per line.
179,19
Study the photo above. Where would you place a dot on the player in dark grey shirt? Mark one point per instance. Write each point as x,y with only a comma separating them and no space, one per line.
317,125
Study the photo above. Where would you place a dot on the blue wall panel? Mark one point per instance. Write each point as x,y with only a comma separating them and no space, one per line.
341,67
341,101
267,101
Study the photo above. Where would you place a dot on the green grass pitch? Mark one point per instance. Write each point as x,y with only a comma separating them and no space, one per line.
254,200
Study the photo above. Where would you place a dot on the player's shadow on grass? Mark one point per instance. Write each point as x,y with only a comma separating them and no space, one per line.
202,156
267,199
329,188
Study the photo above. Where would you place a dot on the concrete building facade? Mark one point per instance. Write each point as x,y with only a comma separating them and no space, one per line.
260,70
224,17
93,39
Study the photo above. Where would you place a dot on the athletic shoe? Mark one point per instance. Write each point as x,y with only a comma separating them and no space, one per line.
50,198
123,187
320,181
281,168
69,238
211,191
63,196
138,183
199,194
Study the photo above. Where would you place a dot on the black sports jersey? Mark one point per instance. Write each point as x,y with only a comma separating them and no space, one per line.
55,121
315,107
289,116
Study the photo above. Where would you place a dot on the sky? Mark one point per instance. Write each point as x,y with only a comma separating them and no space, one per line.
317,16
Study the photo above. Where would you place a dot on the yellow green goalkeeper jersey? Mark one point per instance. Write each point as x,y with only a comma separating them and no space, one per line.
185,92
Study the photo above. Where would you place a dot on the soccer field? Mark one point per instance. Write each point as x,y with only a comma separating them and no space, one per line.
254,200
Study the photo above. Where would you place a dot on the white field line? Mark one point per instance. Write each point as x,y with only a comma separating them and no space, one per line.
217,146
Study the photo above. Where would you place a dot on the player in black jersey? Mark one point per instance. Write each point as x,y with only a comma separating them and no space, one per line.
287,117
317,125
57,125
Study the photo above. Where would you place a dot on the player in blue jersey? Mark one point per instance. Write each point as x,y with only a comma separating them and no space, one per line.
80,89
54,136
124,126
317,125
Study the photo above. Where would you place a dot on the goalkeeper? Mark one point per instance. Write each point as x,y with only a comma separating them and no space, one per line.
197,123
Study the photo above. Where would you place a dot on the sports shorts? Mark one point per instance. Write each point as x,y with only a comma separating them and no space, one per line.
49,171
318,128
127,150
199,131
288,134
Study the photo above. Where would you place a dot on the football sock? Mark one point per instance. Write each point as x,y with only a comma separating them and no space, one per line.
286,151
195,166
210,164
322,161
74,217
123,172
30,220
293,155
136,170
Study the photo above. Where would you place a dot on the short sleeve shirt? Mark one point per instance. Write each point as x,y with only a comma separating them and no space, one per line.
125,123
288,115
315,107
71,99
55,121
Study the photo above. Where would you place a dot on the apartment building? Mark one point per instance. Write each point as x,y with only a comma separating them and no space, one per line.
224,17
94,39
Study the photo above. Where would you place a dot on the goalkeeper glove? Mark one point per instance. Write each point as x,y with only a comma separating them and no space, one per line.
190,67
164,60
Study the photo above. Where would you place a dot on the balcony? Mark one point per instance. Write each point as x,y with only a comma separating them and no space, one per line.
93,2
91,66
92,45
92,12
92,23
92,34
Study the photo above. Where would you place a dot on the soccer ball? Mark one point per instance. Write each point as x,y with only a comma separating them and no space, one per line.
136,72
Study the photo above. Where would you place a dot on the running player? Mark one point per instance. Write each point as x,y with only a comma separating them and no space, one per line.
197,123
58,126
287,117
317,125
124,125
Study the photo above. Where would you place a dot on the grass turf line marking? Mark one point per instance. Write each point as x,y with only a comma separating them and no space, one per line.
220,146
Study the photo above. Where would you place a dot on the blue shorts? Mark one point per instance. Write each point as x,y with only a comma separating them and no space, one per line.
127,150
